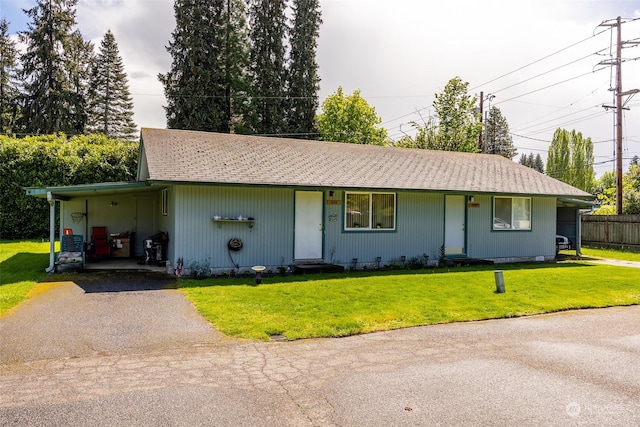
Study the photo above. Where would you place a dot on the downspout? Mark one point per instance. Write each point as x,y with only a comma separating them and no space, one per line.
52,232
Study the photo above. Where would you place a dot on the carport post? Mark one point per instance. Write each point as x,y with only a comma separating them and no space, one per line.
52,232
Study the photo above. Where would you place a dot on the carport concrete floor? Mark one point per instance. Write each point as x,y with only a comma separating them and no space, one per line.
132,351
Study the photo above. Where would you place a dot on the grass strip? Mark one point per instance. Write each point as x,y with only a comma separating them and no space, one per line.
611,254
354,303
22,265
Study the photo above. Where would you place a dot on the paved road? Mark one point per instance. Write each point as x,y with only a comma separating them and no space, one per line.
570,368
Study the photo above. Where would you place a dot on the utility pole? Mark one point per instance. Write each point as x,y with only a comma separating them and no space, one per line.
481,127
618,106
489,98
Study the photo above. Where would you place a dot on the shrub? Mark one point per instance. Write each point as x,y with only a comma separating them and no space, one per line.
54,160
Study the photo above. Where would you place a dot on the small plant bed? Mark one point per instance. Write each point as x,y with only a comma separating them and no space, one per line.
341,304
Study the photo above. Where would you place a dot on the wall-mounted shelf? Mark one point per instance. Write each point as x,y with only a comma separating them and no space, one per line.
248,222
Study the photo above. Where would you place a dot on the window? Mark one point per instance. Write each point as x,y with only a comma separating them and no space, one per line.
370,211
165,202
512,213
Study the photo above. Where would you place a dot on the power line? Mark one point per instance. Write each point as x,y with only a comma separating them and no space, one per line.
551,85
538,60
570,122
493,92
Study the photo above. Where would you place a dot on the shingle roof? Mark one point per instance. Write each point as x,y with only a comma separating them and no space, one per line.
203,157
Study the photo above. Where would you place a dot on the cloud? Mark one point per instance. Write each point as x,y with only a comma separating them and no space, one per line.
399,53
141,29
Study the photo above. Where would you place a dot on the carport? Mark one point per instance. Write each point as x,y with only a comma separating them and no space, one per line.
568,221
120,206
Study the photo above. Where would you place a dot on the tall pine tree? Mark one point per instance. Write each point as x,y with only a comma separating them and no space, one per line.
80,58
268,31
496,138
193,85
8,81
533,162
238,84
110,104
208,84
50,101
303,79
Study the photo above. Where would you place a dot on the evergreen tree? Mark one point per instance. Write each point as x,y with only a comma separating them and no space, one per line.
208,84
524,160
496,138
8,81
50,103
539,163
532,162
268,30
303,79
237,77
80,59
193,85
110,103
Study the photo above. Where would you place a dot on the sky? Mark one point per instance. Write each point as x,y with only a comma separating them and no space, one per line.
538,59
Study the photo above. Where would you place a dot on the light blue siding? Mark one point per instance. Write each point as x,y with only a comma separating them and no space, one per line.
419,230
196,238
483,242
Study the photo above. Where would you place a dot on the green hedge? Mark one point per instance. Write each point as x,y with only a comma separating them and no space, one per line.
52,160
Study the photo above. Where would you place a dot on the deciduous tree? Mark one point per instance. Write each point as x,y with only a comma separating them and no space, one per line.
456,125
570,159
350,119
605,190
458,122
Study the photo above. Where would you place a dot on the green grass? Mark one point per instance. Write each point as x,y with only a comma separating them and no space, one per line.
360,302
22,265
611,254
354,303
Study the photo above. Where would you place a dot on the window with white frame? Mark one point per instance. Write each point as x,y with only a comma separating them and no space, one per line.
165,202
370,211
512,213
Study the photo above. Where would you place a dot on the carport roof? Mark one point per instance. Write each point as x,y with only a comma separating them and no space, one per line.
84,190
169,155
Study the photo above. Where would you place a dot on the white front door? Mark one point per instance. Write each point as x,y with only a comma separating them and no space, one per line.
308,225
454,225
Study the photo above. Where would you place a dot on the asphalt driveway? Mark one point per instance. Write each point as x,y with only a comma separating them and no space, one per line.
88,361
102,314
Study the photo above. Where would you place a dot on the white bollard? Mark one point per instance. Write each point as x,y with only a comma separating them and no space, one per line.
499,281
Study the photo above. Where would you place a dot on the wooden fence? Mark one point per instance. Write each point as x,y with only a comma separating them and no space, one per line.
611,231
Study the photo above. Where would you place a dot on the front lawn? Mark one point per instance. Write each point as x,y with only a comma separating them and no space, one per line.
353,303
22,265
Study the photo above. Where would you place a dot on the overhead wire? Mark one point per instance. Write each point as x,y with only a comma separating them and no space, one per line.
538,60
